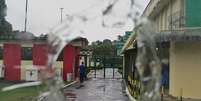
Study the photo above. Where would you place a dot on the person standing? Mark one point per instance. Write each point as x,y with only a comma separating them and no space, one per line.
82,72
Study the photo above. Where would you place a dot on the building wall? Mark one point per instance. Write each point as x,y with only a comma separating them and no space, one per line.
16,67
77,61
69,60
162,20
59,64
185,69
185,57
25,64
39,53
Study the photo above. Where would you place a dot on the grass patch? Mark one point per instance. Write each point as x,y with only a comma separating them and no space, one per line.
21,94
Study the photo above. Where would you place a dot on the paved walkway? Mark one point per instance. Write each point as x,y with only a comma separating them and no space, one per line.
97,89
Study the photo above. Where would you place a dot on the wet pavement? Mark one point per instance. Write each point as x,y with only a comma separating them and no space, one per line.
98,89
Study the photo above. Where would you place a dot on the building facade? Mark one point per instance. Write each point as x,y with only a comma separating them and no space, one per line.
17,66
181,20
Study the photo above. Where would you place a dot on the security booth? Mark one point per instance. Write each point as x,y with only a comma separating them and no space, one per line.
23,59
71,58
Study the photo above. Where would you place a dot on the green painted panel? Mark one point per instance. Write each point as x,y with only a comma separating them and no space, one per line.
193,13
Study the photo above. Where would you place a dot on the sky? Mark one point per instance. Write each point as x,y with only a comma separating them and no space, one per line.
44,14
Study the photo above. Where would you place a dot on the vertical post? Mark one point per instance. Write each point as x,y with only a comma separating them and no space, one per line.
61,14
133,71
95,67
171,22
86,65
85,61
162,93
104,65
89,64
113,70
26,11
123,70
181,94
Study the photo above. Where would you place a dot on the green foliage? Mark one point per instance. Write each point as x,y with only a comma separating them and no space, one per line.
21,94
2,9
5,27
105,48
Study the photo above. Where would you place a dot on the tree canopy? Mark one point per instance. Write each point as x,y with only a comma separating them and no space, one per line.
103,48
5,26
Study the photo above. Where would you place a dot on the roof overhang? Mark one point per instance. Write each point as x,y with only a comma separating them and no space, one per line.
80,42
129,43
179,35
184,35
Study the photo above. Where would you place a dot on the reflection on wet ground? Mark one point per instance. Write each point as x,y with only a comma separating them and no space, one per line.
96,89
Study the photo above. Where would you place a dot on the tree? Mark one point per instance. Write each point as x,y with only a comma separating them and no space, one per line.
105,48
107,41
5,27
120,38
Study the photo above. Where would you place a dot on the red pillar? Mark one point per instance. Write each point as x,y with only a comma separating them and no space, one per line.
12,61
39,53
68,60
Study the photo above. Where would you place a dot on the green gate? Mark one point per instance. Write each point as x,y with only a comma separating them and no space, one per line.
106,64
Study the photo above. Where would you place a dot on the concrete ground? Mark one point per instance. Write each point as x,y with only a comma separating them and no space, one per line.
98,89
169,98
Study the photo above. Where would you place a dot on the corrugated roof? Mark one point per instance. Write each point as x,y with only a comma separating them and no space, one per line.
179,35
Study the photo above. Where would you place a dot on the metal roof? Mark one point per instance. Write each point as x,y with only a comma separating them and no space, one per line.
184,35
179,35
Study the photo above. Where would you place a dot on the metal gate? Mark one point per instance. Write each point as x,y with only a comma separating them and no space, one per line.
106,67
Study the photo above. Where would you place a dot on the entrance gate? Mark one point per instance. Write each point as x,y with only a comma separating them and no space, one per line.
106,67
